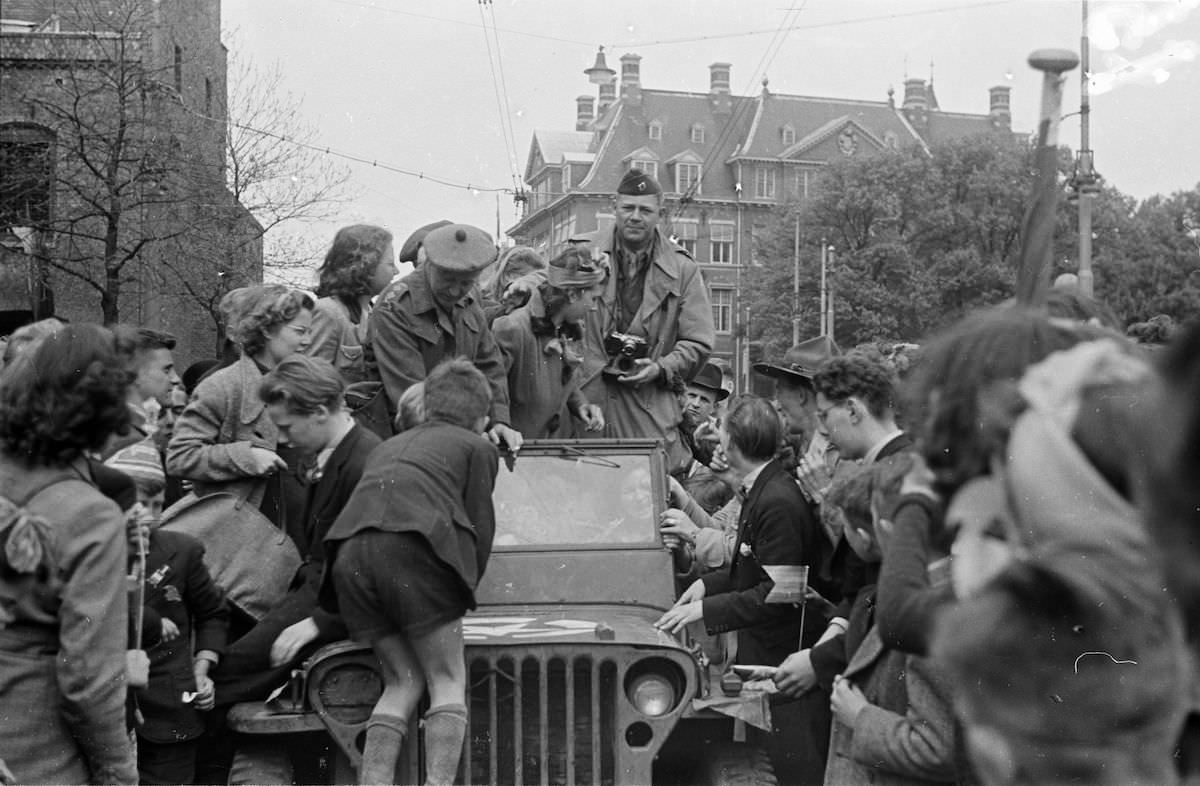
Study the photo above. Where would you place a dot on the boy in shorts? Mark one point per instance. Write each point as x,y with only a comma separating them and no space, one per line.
407,552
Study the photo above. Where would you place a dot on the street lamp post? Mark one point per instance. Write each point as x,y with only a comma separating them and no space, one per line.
796,285
1085,175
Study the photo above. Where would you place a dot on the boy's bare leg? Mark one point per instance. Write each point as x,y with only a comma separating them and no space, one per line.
441,655
403,684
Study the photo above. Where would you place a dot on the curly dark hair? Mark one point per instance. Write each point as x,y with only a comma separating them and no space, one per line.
859,375
963,392
351,261
63,397
250,312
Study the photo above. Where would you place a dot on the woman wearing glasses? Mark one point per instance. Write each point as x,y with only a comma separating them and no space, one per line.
225,441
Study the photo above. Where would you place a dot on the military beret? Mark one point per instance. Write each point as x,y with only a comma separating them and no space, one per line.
459,247
638,183
408,251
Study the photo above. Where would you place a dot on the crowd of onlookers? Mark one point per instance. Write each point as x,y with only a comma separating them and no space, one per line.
997,530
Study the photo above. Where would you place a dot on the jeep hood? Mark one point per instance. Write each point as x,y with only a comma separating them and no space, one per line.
594,626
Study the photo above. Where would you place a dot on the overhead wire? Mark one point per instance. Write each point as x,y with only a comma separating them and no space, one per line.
739,109
496,66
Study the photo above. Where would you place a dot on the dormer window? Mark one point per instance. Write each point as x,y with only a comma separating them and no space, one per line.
788,135
697,134
656,130
649,167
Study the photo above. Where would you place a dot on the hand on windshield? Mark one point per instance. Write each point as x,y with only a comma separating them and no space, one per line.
502,433
678,496
592,417
675,522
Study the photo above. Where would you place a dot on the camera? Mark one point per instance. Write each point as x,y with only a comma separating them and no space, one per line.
622,350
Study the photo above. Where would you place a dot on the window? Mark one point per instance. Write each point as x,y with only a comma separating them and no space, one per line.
686,232
656,130
721,241
649,167
764,183
800,183
178,69
788,135
26,176
685,176
697,134
722,308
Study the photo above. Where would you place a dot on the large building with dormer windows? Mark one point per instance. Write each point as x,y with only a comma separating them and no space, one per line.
724,162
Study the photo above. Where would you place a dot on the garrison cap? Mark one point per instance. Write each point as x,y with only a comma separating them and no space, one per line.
459,247
638,183
408,251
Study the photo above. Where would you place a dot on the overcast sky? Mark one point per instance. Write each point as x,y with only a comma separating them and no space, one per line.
410,83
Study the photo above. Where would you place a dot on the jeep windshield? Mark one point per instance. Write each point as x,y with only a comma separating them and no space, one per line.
573,493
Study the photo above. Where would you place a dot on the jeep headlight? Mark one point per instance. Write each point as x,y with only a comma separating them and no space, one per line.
651,694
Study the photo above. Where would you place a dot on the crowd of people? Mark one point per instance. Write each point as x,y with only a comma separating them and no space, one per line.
998,529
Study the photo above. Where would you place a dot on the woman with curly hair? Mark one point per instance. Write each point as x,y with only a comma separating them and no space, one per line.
63,616
357,267
224,440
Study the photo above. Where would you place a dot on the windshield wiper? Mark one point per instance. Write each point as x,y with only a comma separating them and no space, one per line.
569,453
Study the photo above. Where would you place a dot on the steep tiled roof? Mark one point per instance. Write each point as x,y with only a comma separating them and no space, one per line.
554,146
944,126
678,112
808,115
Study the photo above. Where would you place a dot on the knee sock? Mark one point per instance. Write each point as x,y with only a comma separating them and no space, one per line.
445,730
381,749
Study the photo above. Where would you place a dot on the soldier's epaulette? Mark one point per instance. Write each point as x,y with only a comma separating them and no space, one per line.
681,250
393,293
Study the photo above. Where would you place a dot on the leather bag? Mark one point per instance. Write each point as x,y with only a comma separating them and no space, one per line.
250,558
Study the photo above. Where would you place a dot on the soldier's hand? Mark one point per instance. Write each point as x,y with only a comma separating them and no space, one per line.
592,417
648,371
502,433
265,462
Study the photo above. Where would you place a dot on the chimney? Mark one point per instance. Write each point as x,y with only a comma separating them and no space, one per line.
584,113
998,110
718,89
608,97
916,101
631,78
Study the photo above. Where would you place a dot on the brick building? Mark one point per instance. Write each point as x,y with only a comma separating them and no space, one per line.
113,144
724,161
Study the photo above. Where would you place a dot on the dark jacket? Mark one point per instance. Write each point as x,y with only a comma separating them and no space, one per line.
178,588
408,335
775,528
245,672
435,479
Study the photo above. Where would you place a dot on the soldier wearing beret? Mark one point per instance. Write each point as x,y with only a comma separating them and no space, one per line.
434,314
655,292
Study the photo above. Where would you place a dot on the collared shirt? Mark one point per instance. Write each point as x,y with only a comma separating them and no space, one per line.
750,478
873,454
318,466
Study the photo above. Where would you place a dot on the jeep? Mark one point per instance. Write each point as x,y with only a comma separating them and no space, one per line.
569,681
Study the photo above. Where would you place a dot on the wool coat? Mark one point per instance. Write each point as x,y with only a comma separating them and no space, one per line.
776,527
676,320
408,334
214,435
906,735
543,386
435,480
63,636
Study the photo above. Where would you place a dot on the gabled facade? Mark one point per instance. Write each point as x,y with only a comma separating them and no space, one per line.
724,162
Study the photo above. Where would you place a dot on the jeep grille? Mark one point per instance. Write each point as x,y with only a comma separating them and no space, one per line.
545,718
